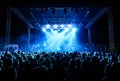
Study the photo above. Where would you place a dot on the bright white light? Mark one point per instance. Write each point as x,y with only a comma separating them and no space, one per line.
69,25
62,25
66,29
58,41
74,29
58,30
43,29
51,30
47,26
55,25
55,32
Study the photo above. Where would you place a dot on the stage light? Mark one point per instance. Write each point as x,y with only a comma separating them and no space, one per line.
55,32
61,25
57,38
51,29
69,25
43,29
66,29
55,26
47,26
74,29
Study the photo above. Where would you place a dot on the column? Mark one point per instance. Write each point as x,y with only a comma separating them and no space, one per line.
89,36
28,39
8,27
111,30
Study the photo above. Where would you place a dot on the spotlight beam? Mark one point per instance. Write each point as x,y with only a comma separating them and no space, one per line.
21,16
97,16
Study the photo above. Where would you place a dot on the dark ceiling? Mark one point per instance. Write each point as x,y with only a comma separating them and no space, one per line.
51,3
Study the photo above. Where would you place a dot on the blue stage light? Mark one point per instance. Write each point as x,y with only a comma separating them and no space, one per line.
66,29
57,38
47,26
55,26
74,29
69,25
62,25
43,29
